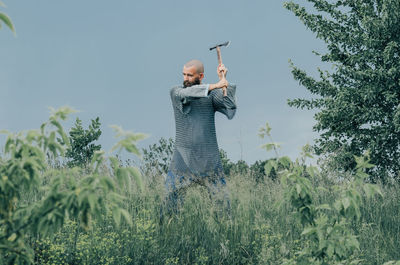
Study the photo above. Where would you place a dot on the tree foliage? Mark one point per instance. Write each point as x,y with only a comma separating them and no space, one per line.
68,193
157,157
81,148
358,101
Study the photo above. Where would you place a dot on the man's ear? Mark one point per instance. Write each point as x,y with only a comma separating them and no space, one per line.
201,76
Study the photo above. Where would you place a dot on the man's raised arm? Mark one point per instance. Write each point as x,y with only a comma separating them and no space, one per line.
185,95
225,104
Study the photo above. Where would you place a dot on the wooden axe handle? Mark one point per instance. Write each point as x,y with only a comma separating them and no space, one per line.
220,62
219,55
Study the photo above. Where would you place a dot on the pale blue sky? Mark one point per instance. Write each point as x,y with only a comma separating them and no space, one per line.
118,59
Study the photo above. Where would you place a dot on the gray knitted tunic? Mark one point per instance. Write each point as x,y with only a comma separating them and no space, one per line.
196,149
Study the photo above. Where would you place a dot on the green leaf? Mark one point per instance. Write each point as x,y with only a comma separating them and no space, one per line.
312,171
129,140
7,21
285,161
330,250
298,189
271,164
270,146
12,237
61,113
352,242
372,189
346,203
267,168
323,207
268,129
308,231
392,262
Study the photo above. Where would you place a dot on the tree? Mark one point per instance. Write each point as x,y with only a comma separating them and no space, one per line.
70,193
358,101
5,19
157,157
82,148
227,164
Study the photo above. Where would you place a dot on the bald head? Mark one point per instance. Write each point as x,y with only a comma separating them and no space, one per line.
197,64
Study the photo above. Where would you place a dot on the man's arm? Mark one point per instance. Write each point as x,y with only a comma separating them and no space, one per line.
225,104
187,94
196,91
182,96
224,100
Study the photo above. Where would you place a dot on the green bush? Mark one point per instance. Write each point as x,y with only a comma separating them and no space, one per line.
37,200
81,147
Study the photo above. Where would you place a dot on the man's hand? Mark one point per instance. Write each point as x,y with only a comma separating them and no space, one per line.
222,71
223,83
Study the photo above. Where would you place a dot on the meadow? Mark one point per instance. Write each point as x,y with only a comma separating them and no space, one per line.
261,227
109,211
63,200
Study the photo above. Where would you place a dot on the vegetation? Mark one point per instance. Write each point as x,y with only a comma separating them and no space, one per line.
97,211
157,157
358,101
71,215
36,200
81,147
5,19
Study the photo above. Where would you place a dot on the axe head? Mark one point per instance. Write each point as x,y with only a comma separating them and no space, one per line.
220,45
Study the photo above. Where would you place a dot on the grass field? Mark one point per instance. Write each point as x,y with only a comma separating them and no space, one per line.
259,227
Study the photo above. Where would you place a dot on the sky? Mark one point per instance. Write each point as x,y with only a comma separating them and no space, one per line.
117,60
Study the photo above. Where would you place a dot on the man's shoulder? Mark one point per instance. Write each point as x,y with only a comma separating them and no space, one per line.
174,88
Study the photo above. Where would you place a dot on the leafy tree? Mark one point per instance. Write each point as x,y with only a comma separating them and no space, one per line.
82,148
240,167
5,19
227,164
229,167
157,157
358,100
257,170
70,194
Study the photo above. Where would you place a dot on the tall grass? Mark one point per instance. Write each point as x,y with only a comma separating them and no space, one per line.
259,227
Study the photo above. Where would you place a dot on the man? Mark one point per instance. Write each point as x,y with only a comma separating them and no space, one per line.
196,156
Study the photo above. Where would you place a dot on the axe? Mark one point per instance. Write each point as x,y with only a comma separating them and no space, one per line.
217,47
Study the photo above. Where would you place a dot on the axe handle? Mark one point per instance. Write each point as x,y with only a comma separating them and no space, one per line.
220,62
219,55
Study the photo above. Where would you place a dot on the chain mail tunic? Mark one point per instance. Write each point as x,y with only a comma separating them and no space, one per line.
196,149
